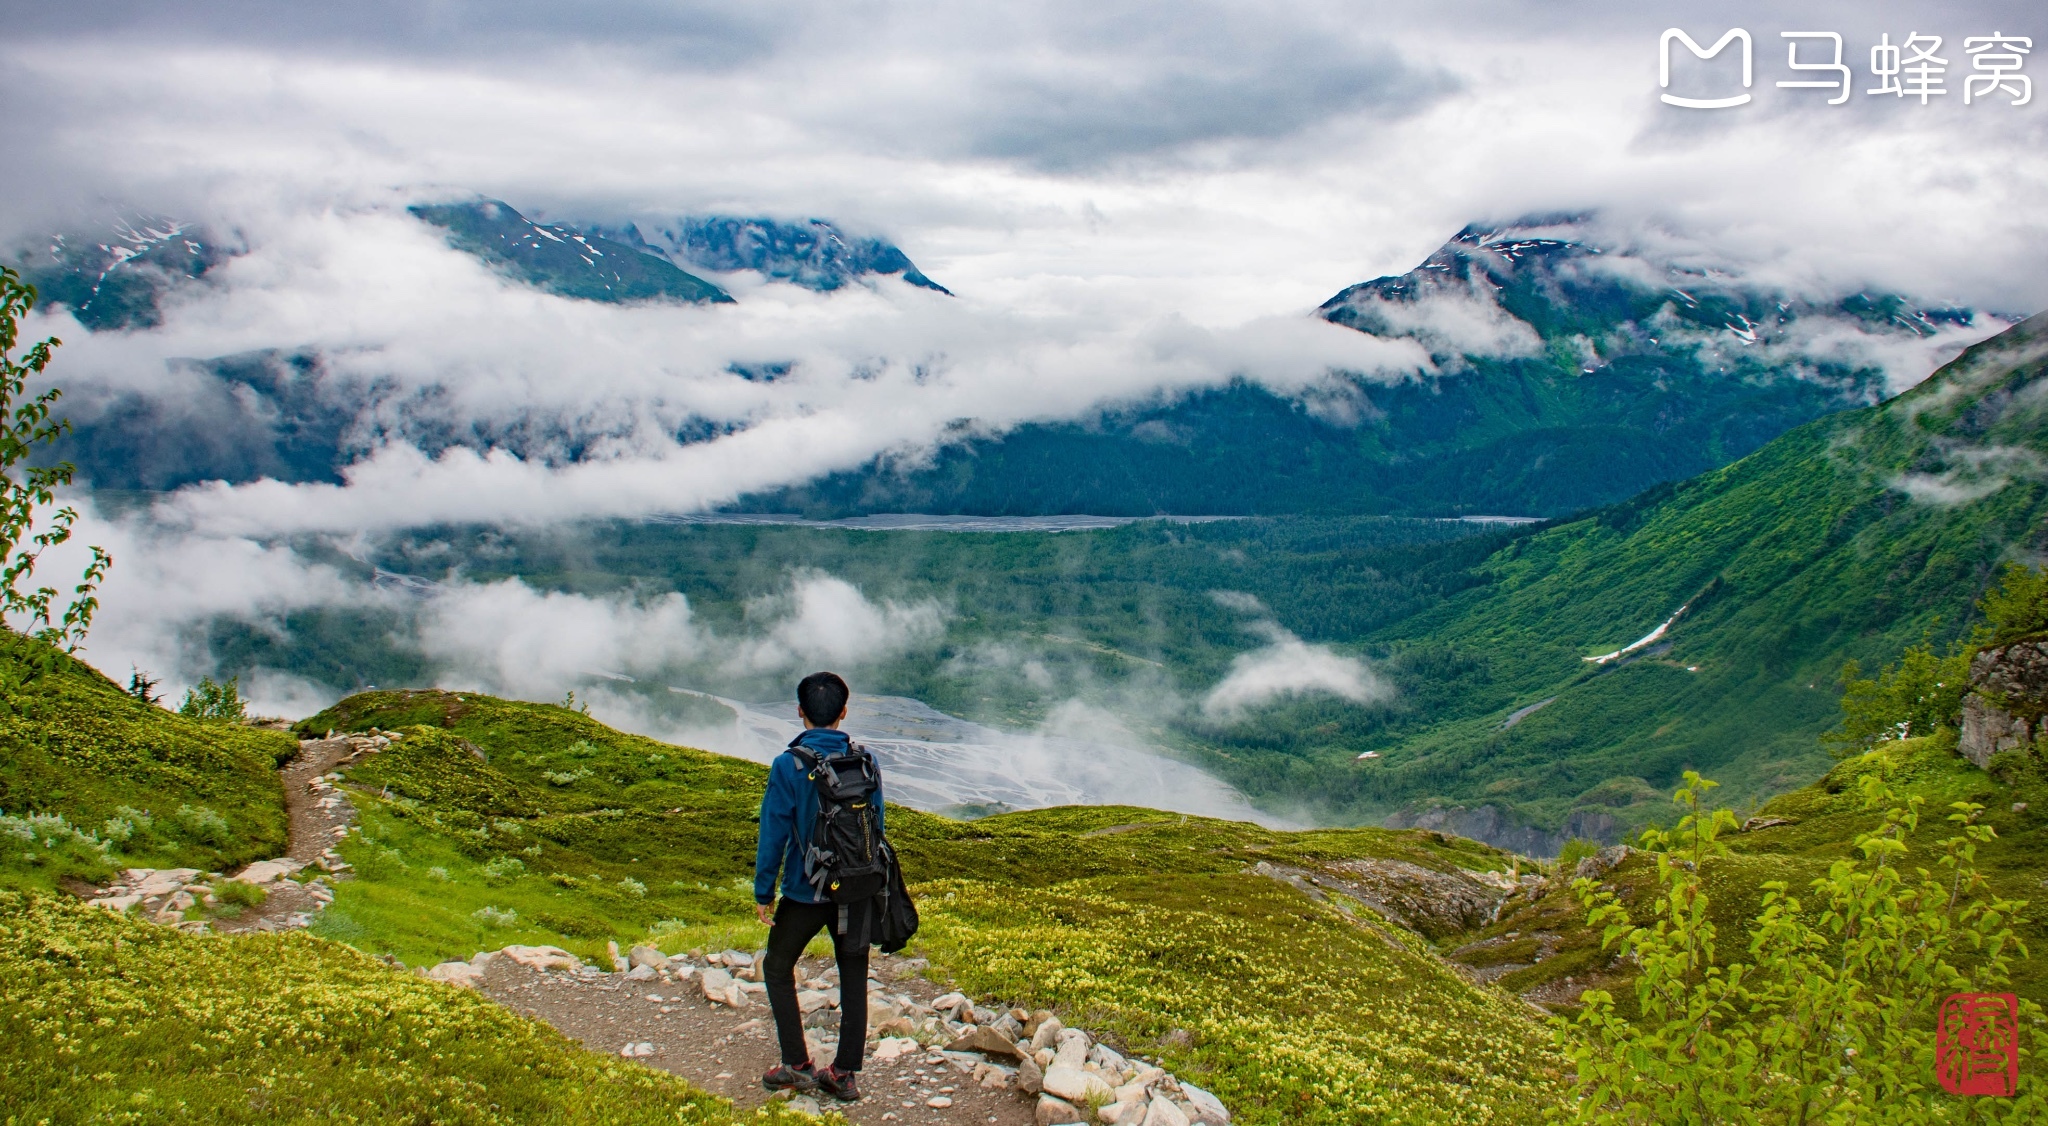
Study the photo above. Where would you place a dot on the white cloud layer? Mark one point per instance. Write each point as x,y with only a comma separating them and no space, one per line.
1286,667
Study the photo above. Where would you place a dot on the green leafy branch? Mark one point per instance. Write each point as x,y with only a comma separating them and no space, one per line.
25,425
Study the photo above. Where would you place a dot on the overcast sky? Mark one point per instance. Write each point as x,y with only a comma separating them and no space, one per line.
1125,197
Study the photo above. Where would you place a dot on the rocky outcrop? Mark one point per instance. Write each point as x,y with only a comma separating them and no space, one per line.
2007,699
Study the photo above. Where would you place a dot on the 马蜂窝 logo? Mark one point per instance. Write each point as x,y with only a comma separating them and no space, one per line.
1911,69
1977,1044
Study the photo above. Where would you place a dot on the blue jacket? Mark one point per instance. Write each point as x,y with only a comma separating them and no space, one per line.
789,811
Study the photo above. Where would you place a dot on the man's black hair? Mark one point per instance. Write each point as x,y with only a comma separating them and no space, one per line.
822,696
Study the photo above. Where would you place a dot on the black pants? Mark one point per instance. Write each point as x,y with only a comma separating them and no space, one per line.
795,925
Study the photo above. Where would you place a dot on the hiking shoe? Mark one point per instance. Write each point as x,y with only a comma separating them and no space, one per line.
841,1085
787,1078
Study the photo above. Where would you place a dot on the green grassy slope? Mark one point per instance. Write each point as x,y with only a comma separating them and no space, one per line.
114,1019
159,789
117,1020
1140,923
1847,538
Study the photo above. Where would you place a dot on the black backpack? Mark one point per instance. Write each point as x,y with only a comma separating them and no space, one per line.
895,921
847,861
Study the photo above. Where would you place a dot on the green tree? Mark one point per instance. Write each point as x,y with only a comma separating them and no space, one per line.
1920,694
219,701
1833,1020
2017,608
26,490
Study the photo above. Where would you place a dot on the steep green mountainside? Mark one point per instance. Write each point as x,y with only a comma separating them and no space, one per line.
1799,835
1848,538
1565,378
563,260
159,789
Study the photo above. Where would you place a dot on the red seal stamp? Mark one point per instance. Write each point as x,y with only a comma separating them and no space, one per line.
1977,1046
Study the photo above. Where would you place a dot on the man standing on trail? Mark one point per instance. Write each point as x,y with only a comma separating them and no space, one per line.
823,786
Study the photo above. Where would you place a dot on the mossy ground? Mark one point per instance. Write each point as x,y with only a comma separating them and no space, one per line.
114,1020
73,744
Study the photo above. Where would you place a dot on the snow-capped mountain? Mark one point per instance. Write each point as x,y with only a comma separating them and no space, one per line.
564,260
813,253
117,278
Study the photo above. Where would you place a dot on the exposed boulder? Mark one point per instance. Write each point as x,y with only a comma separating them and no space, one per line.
2007,699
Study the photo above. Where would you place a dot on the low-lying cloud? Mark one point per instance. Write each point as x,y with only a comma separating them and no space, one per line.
1287,667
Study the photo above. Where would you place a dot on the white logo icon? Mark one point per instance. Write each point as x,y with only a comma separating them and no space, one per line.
1664,67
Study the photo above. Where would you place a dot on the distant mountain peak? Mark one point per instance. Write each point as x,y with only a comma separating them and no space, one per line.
1540,270
564,260
116,277
814,253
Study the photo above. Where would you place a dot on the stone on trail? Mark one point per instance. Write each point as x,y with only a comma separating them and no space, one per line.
611,950
268,871
649,956
1030,1076
881,1010
1108,1059
148,882
993,1076
636,1051
116,903
984,1038
714,983
1208,1108
1077,1086
1057,1112
938,1102
1162,1112
457,973
810,1001
1073,1049
805,1104
641,973
542,957
1047,1033
902,1027
894,1047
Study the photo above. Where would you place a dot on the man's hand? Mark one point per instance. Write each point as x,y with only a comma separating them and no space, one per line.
766,912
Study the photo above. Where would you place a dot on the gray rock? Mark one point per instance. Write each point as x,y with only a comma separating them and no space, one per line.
649,956
1163,1112
984,1038
1073,1048
1047,1034
1076,1085
641,973
2008,695
1057,1112
1030,1076
1208,1109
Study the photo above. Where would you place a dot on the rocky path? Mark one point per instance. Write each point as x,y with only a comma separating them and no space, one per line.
319,815
670,1025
